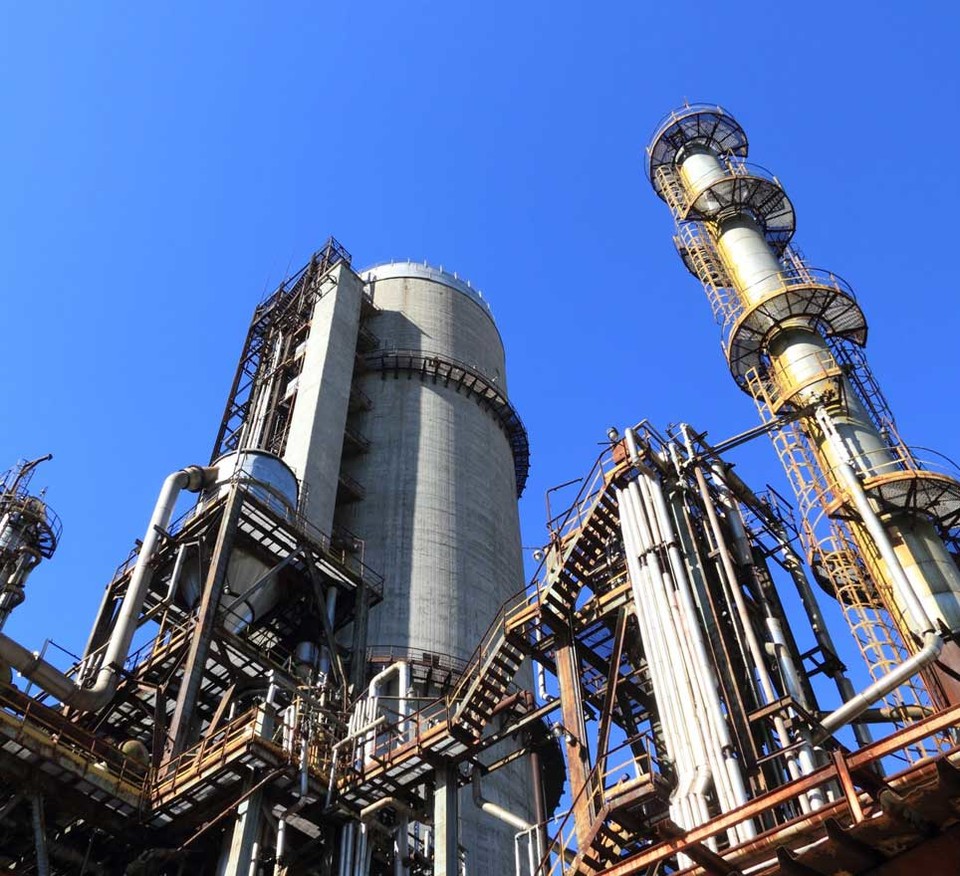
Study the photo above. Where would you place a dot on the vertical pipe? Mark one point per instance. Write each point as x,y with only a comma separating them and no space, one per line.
906,595
813,800
403,682
445,817
346,850
820,630
703,673
401,846
331,611
539,809
361,854
643,576
693,679
39,835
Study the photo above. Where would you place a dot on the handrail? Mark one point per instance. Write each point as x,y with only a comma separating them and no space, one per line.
320,539
848,803
63,733
597,789
191,762
490,642
560,525
733,136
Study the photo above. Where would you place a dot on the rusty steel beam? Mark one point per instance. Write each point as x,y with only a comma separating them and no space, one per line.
846,783
711,862
855,762
193,671
609,699
575,740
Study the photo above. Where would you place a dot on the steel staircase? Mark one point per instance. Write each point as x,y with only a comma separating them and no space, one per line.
512,636
453,728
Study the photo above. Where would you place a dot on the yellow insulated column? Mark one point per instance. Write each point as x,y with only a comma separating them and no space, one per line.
778,316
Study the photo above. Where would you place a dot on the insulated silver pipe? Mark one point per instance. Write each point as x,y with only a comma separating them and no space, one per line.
492,809
727,775
906,595
685,677
853,708
359,730
671,679
657,648
715,762
821,632
298,804
653,650
48,677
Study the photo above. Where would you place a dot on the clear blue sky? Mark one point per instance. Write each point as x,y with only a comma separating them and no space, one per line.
163,166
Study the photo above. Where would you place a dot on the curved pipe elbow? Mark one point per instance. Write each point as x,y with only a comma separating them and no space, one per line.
853,708
484,805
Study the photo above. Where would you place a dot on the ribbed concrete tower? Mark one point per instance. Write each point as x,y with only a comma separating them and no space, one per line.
446,460
439,516
879,521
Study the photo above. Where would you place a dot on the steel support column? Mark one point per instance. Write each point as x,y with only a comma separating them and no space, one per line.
238,855
575,739
446,815
179,734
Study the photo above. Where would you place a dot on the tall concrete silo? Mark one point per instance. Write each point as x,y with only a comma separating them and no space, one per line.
445,462
439,517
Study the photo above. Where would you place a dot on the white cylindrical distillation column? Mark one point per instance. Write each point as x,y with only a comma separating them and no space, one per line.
800,358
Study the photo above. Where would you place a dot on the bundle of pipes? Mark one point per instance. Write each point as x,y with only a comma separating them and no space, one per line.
693,719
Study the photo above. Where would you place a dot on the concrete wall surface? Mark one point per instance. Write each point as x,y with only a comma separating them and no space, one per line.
440,518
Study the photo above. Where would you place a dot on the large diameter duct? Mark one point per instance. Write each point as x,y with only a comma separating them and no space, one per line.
439,518
694,146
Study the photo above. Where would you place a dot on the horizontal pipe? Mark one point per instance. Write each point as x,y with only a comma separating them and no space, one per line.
291,810
887,714
64,688
385,803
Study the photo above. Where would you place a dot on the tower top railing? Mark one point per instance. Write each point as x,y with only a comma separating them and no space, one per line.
696,123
